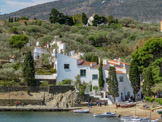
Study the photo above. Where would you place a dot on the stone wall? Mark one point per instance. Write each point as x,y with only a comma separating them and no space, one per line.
4,89
12,102
50,89
60,89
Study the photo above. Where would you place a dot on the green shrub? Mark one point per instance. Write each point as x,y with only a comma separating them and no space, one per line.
18,41
53,70
149,99
95,88
82,88
65,82
159,100
6,83
43,72
44,83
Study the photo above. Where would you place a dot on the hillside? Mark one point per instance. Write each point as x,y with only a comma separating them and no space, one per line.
143,10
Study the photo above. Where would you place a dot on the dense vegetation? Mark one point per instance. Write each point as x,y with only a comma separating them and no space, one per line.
113,83
118,38
148,62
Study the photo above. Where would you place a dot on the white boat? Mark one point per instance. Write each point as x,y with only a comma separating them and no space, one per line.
136,119
125,118
156,120
81,111
106,114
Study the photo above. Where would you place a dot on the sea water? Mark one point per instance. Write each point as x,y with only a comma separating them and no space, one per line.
51,117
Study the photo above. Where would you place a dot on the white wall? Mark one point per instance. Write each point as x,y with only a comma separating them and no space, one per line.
124,87
62,74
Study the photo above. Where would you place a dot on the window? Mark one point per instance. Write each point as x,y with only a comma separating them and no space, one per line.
66,66
121,79
94,77
82,72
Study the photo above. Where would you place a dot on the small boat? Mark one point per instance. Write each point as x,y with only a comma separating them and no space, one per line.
127,105
159,111
81,111
106,114
136,119
156,120
125,118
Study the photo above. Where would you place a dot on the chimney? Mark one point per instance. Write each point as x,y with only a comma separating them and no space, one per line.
119,60
105,62
91,65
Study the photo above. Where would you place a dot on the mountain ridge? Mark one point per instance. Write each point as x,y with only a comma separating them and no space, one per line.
143,10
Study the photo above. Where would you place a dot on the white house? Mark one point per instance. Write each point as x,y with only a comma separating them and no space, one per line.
60,47
69,68
38,51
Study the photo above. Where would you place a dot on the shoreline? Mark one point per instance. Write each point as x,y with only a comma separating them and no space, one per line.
133,111
33,109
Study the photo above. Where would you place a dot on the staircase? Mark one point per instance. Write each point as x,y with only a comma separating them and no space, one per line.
109,99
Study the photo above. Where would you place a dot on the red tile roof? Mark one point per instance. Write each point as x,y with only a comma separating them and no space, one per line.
85,63
97,66
120,72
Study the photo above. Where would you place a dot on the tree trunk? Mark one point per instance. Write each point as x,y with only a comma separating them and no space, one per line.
114,100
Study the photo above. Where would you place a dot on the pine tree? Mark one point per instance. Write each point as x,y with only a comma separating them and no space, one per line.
101,80
148,81
113,83
134,76
84,18
29,70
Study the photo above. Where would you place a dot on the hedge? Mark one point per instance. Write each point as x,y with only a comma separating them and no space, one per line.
149,99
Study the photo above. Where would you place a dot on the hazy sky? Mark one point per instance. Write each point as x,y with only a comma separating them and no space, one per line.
8,6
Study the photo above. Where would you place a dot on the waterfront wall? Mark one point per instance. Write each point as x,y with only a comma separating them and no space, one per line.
12,102
50,89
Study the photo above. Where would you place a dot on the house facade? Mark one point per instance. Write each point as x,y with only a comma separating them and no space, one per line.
69,68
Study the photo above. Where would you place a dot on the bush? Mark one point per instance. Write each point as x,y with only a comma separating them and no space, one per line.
18,41
52,70
159,100
7,83
43,72
65,82
149,99
95,88
44,83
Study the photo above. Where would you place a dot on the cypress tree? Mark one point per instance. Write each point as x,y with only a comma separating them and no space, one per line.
134,76
84,18
101,80
113,83
148,81
29,70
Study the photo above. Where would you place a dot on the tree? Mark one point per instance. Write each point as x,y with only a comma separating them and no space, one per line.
101,80
29,70
148,81
98,20
77,19
10,19
112,20
84,18
44,60
57,17
157,88
151,51
18,41
134,76
77,82
113,83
